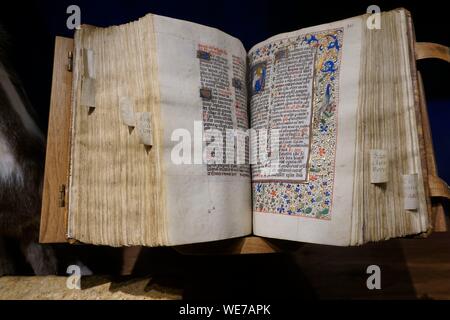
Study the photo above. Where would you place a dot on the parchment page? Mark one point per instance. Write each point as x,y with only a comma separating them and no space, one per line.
304,93
202,75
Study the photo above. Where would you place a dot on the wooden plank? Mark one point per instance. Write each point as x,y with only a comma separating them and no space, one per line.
53,216
410,269
244,245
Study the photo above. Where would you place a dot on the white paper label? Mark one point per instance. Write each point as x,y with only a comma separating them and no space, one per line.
410,197
88,62
87,92
378,166
144,128
127,111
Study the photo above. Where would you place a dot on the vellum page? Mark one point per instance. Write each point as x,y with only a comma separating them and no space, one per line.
123,192
352,173
205,202
310,93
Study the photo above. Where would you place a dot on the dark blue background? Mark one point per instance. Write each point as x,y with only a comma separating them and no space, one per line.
33,25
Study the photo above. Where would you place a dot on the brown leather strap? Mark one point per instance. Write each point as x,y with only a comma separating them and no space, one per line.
426,50
438,187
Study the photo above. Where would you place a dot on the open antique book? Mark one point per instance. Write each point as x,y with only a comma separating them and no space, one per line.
161,150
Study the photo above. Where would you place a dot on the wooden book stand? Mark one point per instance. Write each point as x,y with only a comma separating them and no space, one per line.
54,199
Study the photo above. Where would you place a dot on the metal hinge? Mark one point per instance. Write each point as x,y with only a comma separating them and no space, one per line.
62,196
69,61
